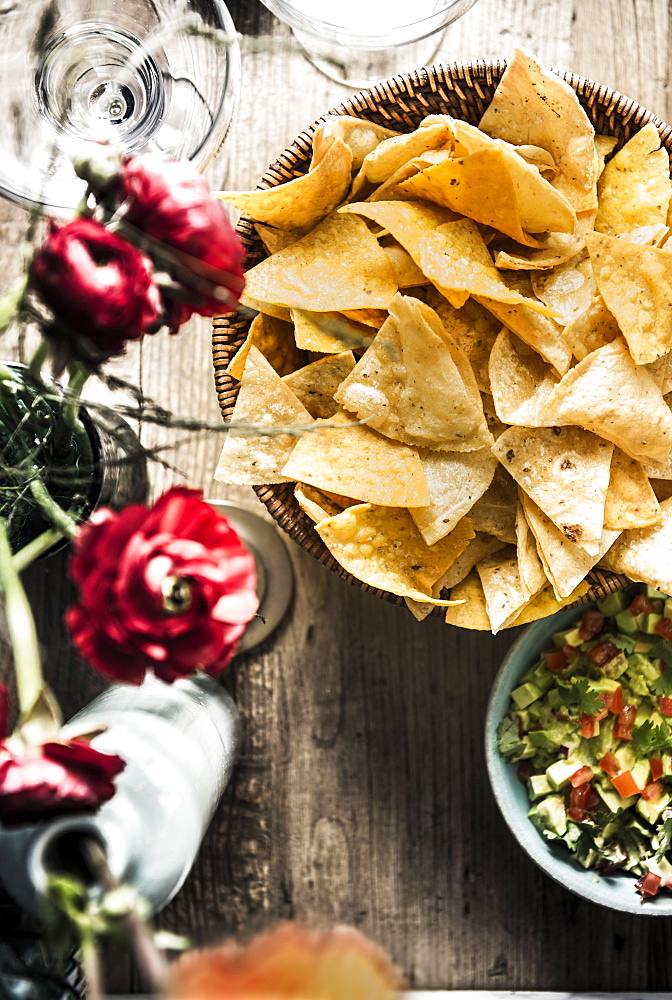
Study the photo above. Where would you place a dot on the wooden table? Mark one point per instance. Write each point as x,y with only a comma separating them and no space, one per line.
361,796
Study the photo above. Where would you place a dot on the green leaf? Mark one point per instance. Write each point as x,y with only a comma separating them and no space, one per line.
663,651
664,834
648,739
510,744
583,696
663,684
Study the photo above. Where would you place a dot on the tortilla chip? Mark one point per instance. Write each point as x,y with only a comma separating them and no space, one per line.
356,461
565,470
265,308
479,546
382,547
495,513
591,329
328,332
274,239
533,577
502,587
472,328
469,610
360,135
299,204
455,259
407,222
636,284
339,265
389,385
316,384
496,187
545,604
406,272
631,502
254,458
388,157
643,554
316,503
556,248
533,105
455,481
568,289
521,383
608,394
635,188
275,339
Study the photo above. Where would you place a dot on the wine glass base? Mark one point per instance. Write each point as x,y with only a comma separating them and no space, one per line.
355,66
275,579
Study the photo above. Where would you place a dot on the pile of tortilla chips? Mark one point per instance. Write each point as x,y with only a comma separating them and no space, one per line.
463,354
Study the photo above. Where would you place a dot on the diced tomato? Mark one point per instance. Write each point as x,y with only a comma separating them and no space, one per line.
648,885
656,765
581,777
641,605
562,716
665,704
604,652
625,722
589,726
664,628
571,652
652,791
583,799
556,661
610,763
602,712
614,700
591,623
624,783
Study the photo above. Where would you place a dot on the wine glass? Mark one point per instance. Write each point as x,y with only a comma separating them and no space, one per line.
139,75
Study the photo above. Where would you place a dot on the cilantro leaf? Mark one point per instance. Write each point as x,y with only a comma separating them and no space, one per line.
661,650
663,684
583,696
648,739
664,834
510,745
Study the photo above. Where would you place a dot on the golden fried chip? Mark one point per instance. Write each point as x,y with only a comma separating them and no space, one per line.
389,386
533,105
316,384
546,604
408,222
299,204
328,332
316,503
275,339
556,248
636,284
608,394
533,577
274,239
503,589
568,289
469,610
339,265
565,470
388,157
631,502
406,272
264,401
592,328
360,135
472,328
455,481
382,547
643,554
356,461
495,512
479,546
265,308
521,383
634,189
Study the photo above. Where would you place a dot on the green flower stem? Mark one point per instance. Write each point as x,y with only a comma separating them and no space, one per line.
33,550
38,360
78,377
29,682
63,522
11,300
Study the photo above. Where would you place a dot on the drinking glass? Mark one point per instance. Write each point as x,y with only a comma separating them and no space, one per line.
139,75
359,42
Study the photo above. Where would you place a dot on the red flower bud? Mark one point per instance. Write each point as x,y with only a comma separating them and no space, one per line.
99,287
54,779
170,202
169,589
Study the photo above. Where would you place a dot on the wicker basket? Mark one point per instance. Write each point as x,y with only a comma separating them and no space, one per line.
464,91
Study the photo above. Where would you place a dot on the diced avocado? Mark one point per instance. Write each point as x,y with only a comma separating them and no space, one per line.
641,773
585,854
541,677
604,684
614,668
613,800
537,786
560,772
652,808
626,757
641,666
554,698
642,646
649,623
539,737
525,694
653,593
569,637
523,720
549,814
667,764
667,608
643,713
626,622
613,603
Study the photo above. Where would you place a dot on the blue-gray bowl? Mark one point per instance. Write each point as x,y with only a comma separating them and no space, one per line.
616,891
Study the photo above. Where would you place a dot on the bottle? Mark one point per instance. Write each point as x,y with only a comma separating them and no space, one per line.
179,742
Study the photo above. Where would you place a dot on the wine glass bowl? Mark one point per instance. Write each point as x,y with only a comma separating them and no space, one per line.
135,75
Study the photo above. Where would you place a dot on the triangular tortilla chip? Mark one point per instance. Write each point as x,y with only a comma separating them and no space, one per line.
455,481
521,383
530,568
592,328
316,384
316,503
636,284
328,332
407,221
634,189
250,457
275,339
382,547
643,554
339,265
568,289
389,386
631,502
495,512
471,613
533,105
299,204
360,135
472,328
356,461
565,470
479,546
611,396
546,604
503,589
391,154
556,248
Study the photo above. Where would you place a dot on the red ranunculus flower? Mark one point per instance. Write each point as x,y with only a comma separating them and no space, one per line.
54,779
169,201
169,589
99,287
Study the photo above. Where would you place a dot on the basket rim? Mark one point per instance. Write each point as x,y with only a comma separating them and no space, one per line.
392,102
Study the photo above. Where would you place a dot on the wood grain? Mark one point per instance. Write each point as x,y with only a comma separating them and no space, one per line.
361,794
